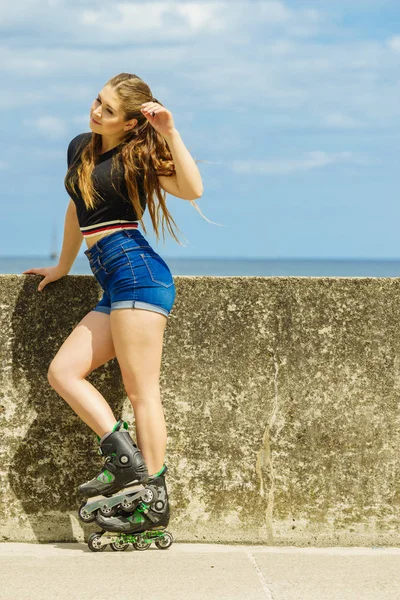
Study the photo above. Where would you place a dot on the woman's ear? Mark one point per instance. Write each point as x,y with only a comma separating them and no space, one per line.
130,124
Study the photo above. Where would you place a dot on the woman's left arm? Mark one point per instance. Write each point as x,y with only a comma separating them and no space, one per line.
188,177
186,183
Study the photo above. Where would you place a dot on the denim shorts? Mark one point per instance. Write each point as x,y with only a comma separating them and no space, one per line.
130,273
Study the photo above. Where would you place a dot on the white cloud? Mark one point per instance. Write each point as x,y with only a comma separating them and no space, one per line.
83,22
49,126
394,43
181,20
239,57
25,64
297,22
201,16
166,19
81,120
312,160
273,11
340,120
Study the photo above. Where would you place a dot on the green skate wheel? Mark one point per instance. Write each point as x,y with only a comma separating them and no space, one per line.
85,516
141,545
119,546
165,542
94,542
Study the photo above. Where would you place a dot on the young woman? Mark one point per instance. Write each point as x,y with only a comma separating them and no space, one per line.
114,172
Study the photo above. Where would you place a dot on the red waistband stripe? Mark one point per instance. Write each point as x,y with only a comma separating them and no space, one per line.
92,230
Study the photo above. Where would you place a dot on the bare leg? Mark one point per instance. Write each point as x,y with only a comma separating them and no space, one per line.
138,340
88,346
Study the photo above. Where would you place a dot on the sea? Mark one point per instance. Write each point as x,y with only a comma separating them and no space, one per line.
228,267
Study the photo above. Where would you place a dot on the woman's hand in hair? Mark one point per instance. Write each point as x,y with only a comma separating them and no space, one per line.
49,273
159,117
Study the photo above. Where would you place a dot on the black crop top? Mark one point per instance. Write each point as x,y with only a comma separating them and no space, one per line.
116,211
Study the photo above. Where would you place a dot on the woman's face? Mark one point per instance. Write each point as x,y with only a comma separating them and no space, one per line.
107,113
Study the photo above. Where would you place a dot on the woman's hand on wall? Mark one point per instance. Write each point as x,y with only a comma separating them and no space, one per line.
50,274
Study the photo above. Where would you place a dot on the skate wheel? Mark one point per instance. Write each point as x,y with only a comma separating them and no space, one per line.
128,506
108,511
119,546
94,542
165,542
128,510
85,516
141,545
150,495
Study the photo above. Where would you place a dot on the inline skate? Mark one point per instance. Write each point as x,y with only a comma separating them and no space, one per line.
120,481
139,526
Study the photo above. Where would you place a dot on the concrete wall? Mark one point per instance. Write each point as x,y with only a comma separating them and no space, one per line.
281,396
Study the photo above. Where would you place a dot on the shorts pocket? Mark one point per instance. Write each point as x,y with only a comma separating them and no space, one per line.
114,260
158,270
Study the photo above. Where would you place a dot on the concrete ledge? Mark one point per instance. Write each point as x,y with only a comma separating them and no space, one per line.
281,396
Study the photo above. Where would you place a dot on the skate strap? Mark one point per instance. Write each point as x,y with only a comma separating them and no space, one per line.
160,472
120,424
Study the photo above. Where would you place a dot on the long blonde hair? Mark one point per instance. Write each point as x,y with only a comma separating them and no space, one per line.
144,153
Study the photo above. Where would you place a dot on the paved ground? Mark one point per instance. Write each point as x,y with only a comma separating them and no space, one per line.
197,572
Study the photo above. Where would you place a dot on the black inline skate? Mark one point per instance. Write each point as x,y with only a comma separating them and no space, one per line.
121,479
140,526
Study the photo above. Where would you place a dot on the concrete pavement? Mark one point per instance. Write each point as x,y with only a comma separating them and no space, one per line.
62,571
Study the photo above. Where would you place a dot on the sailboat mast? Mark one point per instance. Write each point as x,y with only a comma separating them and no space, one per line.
54,252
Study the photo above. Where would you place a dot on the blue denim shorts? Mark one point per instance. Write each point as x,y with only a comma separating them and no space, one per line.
130,273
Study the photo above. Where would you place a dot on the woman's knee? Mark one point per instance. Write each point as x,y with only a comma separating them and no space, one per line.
59,374
146,398
53,374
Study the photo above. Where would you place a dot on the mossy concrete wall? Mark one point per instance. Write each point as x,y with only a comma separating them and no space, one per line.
281,397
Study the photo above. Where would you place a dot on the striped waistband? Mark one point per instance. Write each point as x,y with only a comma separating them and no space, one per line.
92,230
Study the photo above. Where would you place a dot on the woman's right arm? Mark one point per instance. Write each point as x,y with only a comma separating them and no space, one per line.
72,241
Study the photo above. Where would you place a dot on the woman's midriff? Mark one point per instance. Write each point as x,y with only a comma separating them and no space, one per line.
92,240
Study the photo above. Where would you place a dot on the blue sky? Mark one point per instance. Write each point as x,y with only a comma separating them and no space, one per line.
293,106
